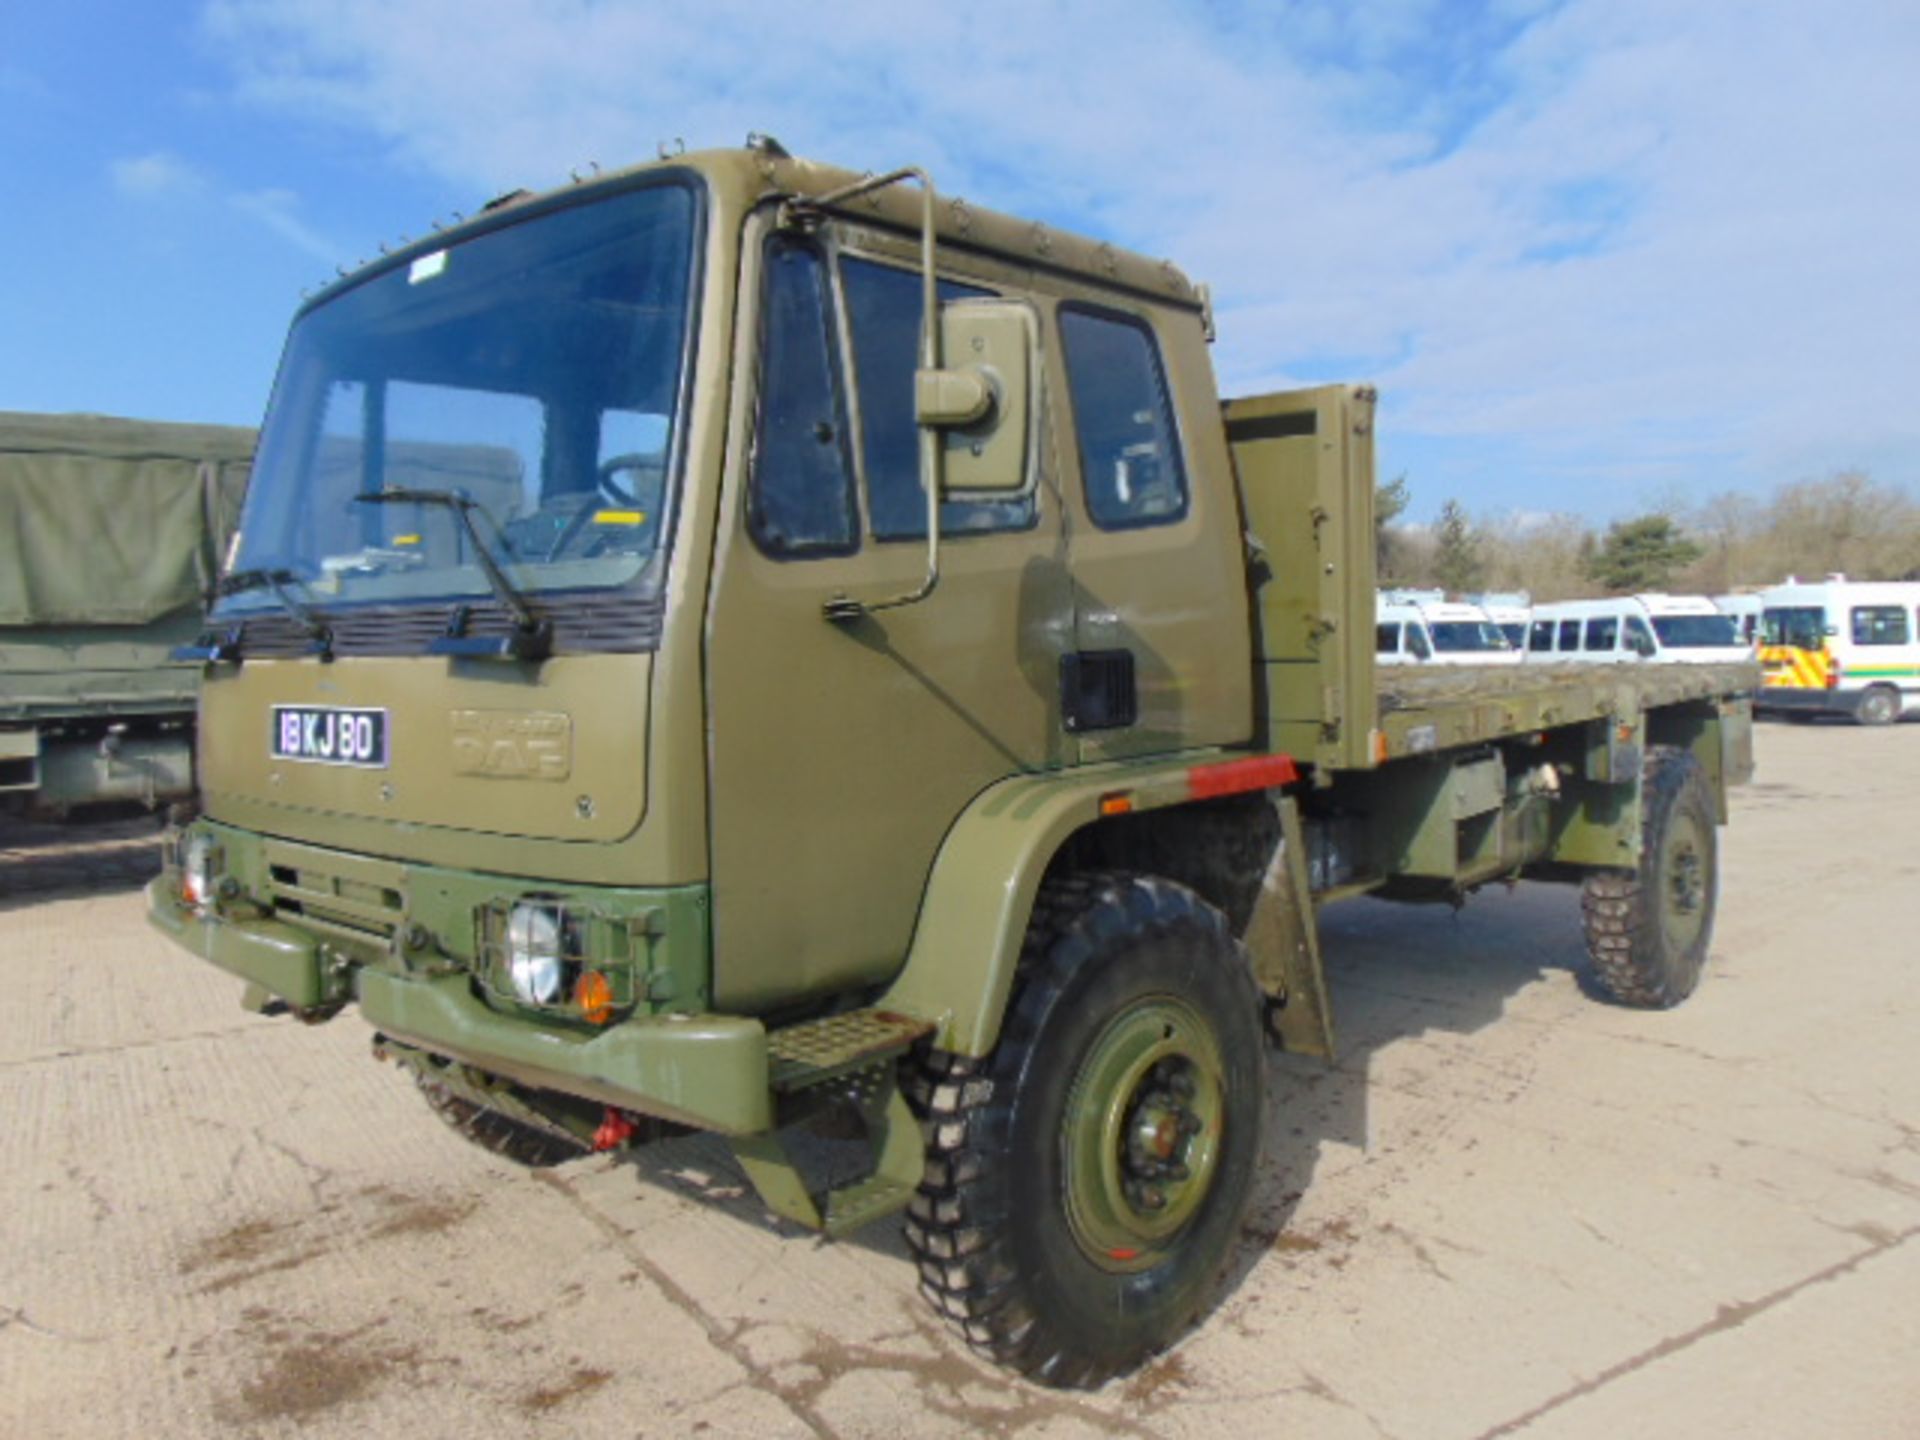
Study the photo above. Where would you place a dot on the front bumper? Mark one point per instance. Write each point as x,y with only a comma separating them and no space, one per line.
707,1071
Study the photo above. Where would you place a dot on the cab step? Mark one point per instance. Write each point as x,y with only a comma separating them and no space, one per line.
844,1059
816,1052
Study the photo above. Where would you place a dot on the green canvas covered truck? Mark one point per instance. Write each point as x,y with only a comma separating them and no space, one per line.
111,533
735,644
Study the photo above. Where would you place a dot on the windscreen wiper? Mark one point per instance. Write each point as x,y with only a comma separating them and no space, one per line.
216,649
531,637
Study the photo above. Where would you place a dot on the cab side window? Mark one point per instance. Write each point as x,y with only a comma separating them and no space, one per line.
800,501
1639,637
1879,625
883,315
1129,450
1386,639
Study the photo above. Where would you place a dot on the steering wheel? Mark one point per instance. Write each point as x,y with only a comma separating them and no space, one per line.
606,490
613,465
588,505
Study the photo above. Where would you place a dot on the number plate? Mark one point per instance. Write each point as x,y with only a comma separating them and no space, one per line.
330,735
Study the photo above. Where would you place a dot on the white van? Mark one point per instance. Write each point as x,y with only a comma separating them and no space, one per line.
1418,628
1664,629
1842,647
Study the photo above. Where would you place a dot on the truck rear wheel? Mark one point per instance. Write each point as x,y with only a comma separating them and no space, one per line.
1086,1181
1648,929
496,1133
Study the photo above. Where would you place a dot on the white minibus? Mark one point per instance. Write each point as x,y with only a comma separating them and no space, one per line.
1841,647
1420,630
1664,629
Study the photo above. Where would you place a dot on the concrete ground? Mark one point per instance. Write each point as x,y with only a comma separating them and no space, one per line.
1510,1210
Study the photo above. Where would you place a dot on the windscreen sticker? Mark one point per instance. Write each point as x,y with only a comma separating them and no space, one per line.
427,267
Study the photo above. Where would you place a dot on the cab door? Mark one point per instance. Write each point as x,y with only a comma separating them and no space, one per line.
841,751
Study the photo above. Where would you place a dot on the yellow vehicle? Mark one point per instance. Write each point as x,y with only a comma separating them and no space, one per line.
738,644
1840,647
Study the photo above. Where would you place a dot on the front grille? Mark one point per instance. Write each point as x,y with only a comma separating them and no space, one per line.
585,623
352,909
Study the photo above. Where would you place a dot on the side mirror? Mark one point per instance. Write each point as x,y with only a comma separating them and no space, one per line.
981,402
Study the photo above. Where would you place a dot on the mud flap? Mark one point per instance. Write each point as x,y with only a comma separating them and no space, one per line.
1283,939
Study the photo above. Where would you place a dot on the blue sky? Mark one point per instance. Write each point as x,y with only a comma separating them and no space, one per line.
1600,255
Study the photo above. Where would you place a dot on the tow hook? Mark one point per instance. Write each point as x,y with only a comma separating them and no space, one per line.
615,1130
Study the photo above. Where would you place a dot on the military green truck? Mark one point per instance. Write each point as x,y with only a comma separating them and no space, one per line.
110,538
735,644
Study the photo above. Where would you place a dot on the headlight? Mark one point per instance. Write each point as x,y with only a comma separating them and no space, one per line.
533,953
196,870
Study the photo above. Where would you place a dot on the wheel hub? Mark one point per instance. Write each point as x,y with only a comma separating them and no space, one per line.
1684,884
1140,1138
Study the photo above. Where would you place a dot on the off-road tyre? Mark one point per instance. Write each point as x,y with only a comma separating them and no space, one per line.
496,1133
1878,705
1648,929
1031,1253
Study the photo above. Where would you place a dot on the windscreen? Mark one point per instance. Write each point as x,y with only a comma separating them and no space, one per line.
1460,637
1804,626
1696,632
534,371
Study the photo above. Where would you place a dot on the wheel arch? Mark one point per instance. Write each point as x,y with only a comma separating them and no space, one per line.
1718,733
960,965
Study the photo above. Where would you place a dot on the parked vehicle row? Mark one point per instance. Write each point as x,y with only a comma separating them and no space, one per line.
1424,627
1833,646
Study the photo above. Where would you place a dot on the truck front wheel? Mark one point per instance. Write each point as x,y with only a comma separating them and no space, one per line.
1086,1181
1648,929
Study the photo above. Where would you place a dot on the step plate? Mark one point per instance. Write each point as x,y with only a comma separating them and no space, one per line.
819,1050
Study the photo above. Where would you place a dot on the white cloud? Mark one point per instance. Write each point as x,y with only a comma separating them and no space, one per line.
278,210
1587,248
162,175
155,174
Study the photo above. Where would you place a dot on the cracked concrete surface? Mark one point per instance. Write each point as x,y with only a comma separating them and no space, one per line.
1509,1210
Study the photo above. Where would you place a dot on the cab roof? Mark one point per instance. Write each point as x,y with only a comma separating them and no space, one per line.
763,172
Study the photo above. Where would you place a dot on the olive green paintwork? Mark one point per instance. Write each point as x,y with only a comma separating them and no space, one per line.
1141,1133
841,754
417,981
965,949
414,919
1304,462
587,785
1283,942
